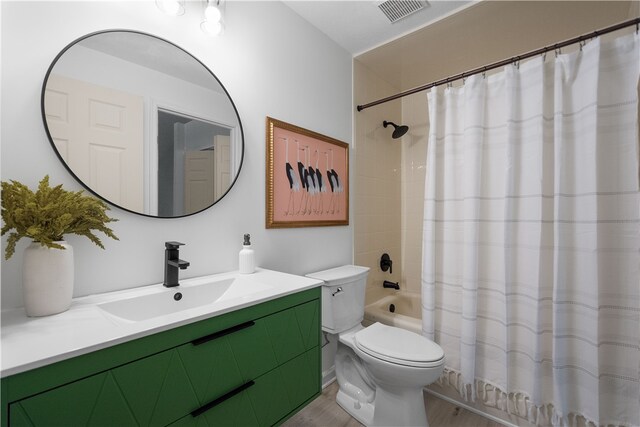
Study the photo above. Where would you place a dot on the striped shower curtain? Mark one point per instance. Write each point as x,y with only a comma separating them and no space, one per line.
531,249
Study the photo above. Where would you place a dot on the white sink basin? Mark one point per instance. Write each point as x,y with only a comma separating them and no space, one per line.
165,301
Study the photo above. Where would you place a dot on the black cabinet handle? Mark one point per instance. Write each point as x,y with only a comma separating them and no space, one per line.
222,333
221,399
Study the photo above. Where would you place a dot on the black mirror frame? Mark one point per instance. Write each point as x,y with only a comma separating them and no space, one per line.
53,146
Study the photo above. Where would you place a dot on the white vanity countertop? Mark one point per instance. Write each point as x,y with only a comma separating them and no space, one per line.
31,342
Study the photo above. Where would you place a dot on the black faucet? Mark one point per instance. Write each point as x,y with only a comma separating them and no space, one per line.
172,263
392,285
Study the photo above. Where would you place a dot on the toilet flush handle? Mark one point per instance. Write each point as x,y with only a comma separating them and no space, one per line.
337,291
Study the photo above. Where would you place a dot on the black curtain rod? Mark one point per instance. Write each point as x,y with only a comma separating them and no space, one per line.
504,62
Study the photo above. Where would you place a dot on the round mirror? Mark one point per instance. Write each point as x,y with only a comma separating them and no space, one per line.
142,123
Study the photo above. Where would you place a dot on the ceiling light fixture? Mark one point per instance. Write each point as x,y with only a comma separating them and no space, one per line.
212,12
171,7
213,24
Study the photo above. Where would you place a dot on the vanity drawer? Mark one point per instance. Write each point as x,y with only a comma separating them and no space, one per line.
267,400
160,389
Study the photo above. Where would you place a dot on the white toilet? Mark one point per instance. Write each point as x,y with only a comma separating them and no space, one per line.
381,370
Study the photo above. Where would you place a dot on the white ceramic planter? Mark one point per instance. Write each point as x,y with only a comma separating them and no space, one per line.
47,279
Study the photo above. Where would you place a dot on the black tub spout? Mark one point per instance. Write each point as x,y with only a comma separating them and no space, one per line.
391,285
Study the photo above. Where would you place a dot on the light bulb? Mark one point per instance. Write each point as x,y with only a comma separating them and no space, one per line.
212,13
170,7
212,28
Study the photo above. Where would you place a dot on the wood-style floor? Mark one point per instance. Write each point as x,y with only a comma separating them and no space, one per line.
325,412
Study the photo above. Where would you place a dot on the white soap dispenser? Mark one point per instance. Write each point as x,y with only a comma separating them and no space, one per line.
246,259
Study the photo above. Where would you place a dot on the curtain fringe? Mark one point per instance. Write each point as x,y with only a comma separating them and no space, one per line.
515,403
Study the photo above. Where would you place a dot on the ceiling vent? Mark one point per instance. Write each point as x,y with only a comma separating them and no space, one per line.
395,10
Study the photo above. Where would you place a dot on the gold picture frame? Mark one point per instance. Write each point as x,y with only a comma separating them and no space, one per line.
307,178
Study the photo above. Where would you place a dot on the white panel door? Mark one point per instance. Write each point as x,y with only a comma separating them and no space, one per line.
57,108
198,180
99,132
222,146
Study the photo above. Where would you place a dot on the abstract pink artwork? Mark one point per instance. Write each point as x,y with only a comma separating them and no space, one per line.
307,178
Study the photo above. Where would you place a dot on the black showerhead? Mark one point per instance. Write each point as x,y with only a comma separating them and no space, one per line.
398,131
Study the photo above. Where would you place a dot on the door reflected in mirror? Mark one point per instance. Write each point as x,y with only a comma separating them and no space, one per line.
193,163
142,123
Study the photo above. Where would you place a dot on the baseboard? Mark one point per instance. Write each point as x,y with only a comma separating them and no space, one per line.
328,377
471,409
328,383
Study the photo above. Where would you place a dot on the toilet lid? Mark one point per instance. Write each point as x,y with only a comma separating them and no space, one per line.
399,346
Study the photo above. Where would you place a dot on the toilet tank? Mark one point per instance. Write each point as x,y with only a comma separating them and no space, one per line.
342,296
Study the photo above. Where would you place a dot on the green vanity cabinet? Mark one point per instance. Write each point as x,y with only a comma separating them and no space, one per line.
255,366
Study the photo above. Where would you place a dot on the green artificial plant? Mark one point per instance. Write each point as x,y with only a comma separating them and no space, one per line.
48,214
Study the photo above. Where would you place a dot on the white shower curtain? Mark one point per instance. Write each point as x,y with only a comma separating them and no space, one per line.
531,249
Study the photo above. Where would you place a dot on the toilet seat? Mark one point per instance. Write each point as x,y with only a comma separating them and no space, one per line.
398,346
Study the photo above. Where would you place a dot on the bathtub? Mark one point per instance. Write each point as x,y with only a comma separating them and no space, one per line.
407,312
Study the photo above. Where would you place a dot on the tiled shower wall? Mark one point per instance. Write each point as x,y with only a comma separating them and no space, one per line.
388,194
414,155
377,185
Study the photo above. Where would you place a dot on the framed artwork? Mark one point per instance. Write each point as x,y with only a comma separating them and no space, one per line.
307,178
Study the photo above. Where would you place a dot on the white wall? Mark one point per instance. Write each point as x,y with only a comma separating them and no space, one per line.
271,62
